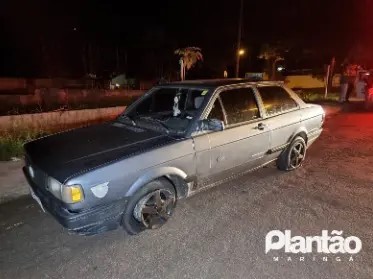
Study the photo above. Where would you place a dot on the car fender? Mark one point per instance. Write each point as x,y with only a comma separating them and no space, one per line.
301,130
154,174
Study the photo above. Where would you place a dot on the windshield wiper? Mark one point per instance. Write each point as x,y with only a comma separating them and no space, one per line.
125,116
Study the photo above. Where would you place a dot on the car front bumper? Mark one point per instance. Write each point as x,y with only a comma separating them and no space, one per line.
86,222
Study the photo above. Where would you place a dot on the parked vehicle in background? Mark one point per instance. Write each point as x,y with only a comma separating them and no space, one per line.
176,140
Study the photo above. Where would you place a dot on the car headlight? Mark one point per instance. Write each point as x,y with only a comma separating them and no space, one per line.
72,193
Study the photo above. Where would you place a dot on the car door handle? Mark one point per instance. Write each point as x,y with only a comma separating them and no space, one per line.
261,126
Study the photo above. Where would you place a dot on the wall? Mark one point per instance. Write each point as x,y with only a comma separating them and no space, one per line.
23,84
12,83
49,99
308,81
51,120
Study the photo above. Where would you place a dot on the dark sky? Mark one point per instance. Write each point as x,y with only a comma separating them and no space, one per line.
65,38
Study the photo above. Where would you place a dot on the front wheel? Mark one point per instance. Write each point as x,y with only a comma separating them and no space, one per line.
293,157
150,207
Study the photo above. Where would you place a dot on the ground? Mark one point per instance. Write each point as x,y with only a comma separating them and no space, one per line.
220,233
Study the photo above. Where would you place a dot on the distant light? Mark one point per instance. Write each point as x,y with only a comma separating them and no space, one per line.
280,68
117,85
225,74
75,29
241,52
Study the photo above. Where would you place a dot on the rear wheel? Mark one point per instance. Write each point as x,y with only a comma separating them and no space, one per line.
293,157
150,207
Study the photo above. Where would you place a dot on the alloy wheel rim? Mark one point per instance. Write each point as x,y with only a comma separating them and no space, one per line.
154,209
297,155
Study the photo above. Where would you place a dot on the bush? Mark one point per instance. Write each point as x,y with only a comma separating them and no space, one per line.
316,96
11,144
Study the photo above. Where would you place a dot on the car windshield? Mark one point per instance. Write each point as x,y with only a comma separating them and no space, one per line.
167,108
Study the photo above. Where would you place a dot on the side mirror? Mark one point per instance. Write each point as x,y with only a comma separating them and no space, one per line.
213,125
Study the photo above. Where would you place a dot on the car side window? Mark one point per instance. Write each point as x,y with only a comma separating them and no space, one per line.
216,111
276,100
240,105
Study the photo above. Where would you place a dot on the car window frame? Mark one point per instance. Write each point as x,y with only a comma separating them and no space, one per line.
265,114
149,93
216,96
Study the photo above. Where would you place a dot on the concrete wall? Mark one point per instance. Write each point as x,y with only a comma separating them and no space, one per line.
51,120
309,81
19,84
49,99
12,83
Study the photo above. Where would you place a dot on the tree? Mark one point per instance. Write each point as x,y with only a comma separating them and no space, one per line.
272,55
189,56
360,54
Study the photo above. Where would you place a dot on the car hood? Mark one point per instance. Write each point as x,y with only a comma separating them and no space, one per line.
64,154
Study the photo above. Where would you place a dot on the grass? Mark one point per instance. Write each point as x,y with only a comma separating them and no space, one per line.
317,96
11,142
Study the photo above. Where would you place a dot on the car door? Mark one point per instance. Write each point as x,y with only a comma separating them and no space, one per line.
283,116
243,143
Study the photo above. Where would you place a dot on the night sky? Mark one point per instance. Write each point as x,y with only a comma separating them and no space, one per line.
68,38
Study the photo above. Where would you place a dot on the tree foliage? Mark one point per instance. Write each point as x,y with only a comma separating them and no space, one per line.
272,54
190,56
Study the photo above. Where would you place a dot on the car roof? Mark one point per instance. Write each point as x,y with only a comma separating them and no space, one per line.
213,83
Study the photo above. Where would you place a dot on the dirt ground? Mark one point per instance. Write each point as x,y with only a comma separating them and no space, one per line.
220,233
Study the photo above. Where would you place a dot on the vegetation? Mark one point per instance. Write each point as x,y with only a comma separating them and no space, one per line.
189,56
271,55
11,143
12,109
317,95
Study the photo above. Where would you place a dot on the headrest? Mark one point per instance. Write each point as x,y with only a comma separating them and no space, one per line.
198,102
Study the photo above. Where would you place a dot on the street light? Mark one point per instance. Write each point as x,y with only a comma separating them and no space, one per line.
240,53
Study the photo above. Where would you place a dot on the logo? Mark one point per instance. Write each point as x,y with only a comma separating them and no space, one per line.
332,244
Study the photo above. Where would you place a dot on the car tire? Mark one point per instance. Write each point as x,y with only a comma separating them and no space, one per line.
154,202
293,156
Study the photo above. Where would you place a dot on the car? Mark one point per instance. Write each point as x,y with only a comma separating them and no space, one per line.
174,141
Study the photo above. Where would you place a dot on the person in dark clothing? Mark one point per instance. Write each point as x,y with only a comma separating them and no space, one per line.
344,85
350,88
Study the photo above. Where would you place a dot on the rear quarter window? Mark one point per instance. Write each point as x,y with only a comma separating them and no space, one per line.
276,100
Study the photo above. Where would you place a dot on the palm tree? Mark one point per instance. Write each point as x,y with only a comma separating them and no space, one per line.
272,55
189,56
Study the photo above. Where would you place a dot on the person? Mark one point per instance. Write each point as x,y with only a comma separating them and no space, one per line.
369,91
344,85
352,71
361,85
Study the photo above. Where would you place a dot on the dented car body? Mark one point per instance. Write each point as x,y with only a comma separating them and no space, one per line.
177,139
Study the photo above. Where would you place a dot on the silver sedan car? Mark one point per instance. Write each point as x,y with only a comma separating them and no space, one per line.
174,141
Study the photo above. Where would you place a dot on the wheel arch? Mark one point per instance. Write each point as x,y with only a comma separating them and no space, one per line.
174,175
301,132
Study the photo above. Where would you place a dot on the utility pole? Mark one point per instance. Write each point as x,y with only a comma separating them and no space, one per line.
117,59
239,40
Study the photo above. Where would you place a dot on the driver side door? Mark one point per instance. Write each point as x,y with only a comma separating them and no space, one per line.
241,146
